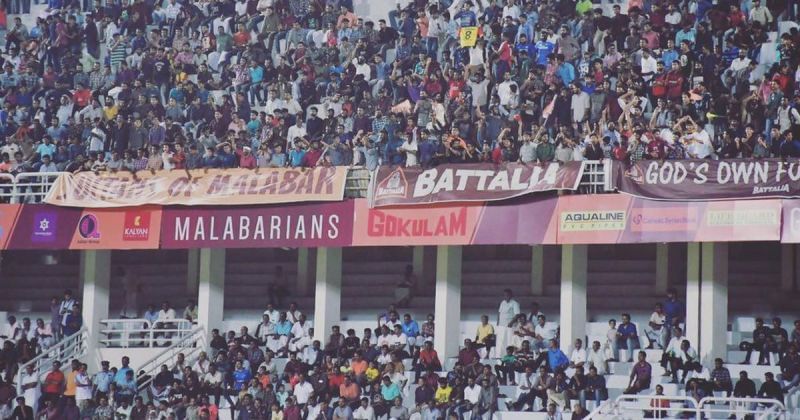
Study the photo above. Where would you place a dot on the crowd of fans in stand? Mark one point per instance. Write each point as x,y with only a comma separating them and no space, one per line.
143,85
366,376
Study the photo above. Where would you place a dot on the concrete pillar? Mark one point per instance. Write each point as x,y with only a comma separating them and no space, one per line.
537,270
304,267
448,301
693,293
662,268
192,271
211,290
714,302
328,292
574,262
787,267
96,281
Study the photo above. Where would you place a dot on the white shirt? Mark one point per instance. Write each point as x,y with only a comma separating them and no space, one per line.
598,360
472,394
301,330
507,311
674,346
701,148
295,132
504,92
739,63
545,332
398,340
363,69
168,314
84,389
302,391
411,152
309,355
512,11
362,413
384,340
658,319
649,65
578,356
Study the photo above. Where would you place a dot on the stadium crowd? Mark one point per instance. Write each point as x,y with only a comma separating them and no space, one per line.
276,370
146,85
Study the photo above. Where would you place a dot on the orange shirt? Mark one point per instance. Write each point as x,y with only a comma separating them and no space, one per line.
72,384
359,367
349,393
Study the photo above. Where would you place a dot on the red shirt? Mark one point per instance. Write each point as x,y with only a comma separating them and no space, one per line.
311,157
241,38
52,382
429,358
247,161
82,97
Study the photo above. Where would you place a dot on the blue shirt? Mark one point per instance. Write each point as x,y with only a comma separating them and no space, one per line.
296,157
672,309
410,329
627,330
566,73
46,150
283,328
556,359
120,378
240,378
389,393
543,51
466,18
256,74
668,56
102,380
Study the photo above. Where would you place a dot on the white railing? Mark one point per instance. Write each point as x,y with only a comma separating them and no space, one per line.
596,179
71,347
633,406
7,187
191,345
32,187
139,332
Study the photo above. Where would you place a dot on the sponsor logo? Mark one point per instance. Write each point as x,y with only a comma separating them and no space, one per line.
89,228
577,221
385,224
794,221
741,217
395,185
137,226
44,227
668,219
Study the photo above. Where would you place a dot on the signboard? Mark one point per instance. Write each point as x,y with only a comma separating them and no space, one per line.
470,182
709,179
227,187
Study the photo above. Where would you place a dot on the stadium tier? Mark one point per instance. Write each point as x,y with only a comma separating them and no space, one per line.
410,210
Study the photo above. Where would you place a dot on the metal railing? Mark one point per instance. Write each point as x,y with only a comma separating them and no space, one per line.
596,179
139,332
633,406
32,187
71,347
191,345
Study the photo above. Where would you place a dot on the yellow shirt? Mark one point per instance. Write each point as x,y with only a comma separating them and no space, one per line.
442,395
484,331
72,384
110,112
372,374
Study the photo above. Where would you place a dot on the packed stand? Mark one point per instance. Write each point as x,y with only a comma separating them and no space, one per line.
141,85
25,339
277,370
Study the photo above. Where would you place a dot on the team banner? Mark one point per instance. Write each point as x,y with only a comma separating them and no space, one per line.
305,225
709,179
500,222
227,187
469,182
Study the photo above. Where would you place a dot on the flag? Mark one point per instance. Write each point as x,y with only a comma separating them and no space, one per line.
549,108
